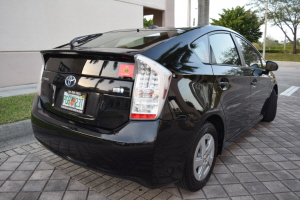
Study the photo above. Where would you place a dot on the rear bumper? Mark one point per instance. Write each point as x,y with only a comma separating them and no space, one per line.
150,152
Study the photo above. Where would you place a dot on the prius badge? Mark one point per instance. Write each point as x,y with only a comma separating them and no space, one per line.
70,81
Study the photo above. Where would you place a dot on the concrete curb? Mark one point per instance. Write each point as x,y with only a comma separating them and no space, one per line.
18,90
16,134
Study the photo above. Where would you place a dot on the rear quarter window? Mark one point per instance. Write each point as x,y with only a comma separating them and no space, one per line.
200,48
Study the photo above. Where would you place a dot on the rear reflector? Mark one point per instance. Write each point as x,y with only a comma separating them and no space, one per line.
126,70
142,116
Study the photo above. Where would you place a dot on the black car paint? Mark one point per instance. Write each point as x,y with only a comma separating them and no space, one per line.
154,152
104,102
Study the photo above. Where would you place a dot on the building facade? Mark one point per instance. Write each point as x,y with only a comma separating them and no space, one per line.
26,27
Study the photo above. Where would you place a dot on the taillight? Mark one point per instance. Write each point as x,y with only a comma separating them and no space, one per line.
151,86
39,84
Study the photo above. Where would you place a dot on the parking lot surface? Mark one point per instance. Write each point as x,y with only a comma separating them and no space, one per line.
263,164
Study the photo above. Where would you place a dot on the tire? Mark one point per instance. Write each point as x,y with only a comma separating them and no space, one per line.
270,108
198,170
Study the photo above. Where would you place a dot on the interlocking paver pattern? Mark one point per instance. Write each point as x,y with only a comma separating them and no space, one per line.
262,164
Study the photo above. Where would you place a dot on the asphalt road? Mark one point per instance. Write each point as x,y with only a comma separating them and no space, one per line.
288,75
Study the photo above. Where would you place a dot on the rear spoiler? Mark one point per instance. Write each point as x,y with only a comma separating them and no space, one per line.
80,40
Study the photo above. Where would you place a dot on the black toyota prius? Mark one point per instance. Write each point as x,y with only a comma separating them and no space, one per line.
156,105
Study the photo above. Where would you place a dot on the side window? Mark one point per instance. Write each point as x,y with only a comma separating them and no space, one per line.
223,49
252,59
200,47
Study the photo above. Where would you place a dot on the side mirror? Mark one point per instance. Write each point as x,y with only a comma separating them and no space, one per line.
271,66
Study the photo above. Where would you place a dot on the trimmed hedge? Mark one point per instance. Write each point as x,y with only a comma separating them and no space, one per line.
272,51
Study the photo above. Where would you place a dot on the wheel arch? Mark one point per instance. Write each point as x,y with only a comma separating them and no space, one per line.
275,87
218,123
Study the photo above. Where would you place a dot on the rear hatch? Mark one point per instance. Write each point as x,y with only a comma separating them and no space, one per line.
90,80
94,89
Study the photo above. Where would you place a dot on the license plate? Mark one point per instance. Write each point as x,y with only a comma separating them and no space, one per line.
73,102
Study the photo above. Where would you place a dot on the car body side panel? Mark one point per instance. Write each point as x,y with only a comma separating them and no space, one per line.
260,84
235,99
192,95
171,149
192,99
259,81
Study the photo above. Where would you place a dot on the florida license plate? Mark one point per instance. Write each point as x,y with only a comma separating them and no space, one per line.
73,101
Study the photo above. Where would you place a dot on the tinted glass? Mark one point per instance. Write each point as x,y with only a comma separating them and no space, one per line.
87,66
130,39
92,67
223,49
251,57
200,47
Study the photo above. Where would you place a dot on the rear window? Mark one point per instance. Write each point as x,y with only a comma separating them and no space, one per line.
129,39
91,66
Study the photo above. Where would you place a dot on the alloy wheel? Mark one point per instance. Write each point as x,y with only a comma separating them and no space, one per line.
204,156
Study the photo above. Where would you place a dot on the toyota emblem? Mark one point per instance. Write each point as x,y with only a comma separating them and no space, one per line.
70,81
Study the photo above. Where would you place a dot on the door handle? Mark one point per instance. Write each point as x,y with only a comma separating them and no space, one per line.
223,83
254,82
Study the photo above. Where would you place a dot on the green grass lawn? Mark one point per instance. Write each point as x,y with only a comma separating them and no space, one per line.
15,108
283,57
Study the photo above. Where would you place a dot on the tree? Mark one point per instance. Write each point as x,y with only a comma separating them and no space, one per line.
243,21
148,23
271,42
203,12
283,14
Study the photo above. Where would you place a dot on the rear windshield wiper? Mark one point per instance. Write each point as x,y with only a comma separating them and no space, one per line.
83,39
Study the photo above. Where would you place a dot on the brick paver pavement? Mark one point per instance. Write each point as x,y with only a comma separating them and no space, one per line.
263,164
